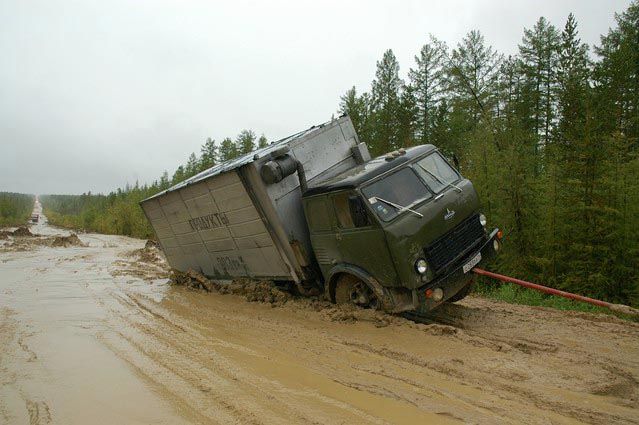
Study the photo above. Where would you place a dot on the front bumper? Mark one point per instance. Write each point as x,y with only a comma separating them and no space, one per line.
454,280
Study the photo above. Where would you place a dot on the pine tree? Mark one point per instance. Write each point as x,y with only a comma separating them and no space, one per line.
617,100
164,181
617,74
179,175
262,142
473,76
208,154
192,165
539,56
357,108
228,150
579,157
245,142
428,83
407,116
385,105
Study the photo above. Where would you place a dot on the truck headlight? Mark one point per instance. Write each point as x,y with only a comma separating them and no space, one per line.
482,220
421,266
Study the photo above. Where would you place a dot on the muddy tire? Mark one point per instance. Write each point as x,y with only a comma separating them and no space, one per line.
463,293
351,290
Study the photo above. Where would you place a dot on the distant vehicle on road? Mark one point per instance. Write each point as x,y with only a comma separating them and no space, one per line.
35,218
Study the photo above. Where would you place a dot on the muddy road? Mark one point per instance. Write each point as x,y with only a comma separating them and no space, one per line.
91,332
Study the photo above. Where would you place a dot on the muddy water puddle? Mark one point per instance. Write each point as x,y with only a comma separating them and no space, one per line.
95,334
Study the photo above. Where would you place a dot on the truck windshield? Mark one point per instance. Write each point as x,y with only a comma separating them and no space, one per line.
436,172
402,188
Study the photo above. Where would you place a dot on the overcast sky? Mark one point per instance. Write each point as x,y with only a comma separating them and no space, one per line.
95,94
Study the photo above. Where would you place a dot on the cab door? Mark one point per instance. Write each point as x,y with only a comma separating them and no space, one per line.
360,239
321,224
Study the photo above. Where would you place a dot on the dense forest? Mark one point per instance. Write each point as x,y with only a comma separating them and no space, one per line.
15,208
548,136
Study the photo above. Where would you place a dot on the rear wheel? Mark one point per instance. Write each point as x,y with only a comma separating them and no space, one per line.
463,292
351,290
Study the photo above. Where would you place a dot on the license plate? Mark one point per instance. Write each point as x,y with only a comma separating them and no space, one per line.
472,263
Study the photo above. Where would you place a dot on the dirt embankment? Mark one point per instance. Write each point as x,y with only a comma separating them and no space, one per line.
146,263
22,239
249,352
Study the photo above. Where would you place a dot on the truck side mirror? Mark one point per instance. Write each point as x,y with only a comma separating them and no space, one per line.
358,211
456,161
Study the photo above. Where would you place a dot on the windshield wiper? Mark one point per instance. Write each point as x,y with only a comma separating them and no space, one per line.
438,179
399,207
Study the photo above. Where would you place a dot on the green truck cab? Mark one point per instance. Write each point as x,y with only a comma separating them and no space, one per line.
400,232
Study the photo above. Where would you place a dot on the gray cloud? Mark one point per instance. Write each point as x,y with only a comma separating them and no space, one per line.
96,94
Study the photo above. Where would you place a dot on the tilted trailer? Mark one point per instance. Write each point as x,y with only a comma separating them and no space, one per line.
227,222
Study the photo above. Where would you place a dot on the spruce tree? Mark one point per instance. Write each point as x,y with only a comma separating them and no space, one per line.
208,154
228,150
357,108
245,142
192,165
473,76
385,105
164,181
539,53
179,175
579,158
427,80
262,142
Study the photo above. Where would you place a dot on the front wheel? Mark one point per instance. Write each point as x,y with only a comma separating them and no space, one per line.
351,290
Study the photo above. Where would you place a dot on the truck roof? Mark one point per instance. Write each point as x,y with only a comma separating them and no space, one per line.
355,176
243,160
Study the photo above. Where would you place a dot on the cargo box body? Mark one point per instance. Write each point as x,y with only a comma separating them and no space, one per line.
227,223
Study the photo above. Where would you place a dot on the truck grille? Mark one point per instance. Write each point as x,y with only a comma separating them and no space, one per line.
455,243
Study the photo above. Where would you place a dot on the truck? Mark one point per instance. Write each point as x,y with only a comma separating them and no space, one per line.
400,232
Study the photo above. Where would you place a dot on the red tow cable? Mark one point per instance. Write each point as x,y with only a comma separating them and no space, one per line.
615,307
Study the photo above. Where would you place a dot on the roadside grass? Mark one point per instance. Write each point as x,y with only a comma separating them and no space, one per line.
514,294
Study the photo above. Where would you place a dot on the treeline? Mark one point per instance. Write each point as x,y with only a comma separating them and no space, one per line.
549,137
119,212
15,208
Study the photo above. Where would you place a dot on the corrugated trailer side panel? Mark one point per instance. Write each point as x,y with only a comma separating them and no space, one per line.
212,226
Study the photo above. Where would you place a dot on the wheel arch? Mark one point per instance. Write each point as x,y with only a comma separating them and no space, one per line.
350,269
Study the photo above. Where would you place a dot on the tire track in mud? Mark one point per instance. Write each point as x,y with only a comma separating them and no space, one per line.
362,385
499,380
39,413
226,382
15,350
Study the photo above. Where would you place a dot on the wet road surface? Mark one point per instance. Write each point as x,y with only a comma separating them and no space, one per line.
94,334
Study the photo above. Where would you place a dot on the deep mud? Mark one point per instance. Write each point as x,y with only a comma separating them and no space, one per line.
22,239
97,334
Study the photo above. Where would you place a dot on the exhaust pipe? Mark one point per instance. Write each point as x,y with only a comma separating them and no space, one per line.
275,170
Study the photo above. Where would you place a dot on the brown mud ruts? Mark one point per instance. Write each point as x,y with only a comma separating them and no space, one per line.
166,353
67,241
22,231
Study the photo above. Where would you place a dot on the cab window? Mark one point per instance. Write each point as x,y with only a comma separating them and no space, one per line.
436,172
350,211
389,195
